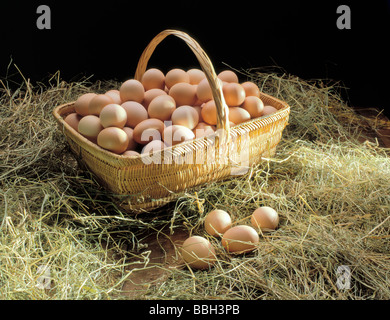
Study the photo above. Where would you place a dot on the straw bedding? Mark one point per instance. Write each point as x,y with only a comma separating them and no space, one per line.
328,180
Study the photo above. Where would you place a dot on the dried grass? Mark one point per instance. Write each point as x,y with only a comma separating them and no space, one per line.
332,192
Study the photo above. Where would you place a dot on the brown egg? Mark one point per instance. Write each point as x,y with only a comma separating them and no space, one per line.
175,76
203,91
113,139
115,96
234,94
136,113
183,93
265,218
90,127
132,90
228,76
198,252
113,115
73,120
217,222
238,115
199,111
148,130
153,146
269,110
176,134
251,89
130,153
162,107
153,79
196,75
209,113
203,129
81,104
132,143
254,106
150,95
98,102
240,239
185,116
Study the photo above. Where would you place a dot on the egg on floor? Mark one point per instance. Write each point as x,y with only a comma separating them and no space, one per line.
153,79
148,130
113,115
82,103
90,127
183,93
113,139
132,90
162,107
98,102
136,113
185,116
175,76
217,222
238,115
254,106
198,252
234,94
265,218
150,95
228,76
73,120
251,89
196,75
240,239
176,134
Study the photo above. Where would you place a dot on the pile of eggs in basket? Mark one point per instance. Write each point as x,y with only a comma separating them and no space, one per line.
162,110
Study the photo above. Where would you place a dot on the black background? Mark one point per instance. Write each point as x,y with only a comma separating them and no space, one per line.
106,39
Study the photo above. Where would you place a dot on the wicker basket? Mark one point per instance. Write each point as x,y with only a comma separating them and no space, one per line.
142,183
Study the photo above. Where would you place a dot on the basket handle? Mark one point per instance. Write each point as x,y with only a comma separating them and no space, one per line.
206,65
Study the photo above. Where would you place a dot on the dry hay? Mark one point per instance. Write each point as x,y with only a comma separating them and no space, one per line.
331,190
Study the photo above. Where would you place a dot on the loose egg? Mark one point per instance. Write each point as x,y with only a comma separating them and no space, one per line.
196,75
238,115
153,79
175,76
130,153
234,94
132,90
217,222
240,239
136,113
183,93
73,120
115,96
185,116
162,107
81,104
251,89
90,127
228,76
265,218
153,146
98,102
150,95
203,129
132,143
148,130
269,110
203,91
254,106
176,134
209,113
113,115
113,139
198,252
